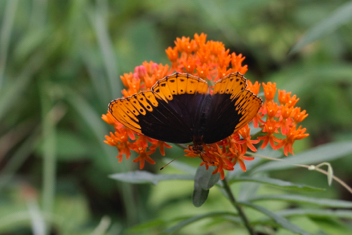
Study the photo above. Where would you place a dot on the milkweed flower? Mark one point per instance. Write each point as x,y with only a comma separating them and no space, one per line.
211,61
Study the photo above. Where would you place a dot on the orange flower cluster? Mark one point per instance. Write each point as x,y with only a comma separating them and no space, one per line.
210,61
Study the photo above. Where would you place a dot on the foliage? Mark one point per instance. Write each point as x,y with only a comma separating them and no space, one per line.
60,63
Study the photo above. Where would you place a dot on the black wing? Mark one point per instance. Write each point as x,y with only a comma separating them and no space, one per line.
232,107
168,112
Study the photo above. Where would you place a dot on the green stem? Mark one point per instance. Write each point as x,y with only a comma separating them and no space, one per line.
237,207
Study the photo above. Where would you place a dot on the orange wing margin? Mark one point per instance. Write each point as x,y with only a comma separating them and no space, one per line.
179,83
128,110
233,84
248,106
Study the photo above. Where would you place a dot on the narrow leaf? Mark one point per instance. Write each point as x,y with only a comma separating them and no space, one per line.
319,154
144,177
277,218
196,218
278,183
5,35
147,225
107,49
307,200
328,25
13,91
318,213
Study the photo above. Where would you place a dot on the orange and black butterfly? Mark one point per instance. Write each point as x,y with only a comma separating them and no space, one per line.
180,109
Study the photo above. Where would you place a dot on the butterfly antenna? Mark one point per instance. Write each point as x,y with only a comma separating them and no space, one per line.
170,162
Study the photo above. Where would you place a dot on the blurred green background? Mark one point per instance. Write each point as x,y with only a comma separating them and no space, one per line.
60,63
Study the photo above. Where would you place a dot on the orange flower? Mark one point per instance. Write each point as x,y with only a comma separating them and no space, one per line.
299,116
109,119
221,159
184,45
272,109
202,71
269,91
236,62
285,118
143,156
211,61
190,153
161,145
239,156
292,135
245,133
172,54
270,127
253,87
122,145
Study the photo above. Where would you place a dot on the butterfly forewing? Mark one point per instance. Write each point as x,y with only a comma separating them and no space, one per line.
168,112
232,107
125,115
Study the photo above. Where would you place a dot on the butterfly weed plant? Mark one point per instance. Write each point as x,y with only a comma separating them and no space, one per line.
254,123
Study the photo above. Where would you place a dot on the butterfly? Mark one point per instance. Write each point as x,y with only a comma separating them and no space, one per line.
180,109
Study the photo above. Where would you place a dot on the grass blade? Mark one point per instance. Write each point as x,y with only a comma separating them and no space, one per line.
195,219
277,218
6,29
13,91
307,200
144,177
278,183
107,50
328,25
317,213
49,150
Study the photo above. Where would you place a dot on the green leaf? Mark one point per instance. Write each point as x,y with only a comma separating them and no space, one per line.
194,219
328,25
18,158
147,225
307,200
106,47
49,150
69,147
278,183
277,218
144,177
318,213
94,122
302,80
203,181
5,35
13,91
319,154
199,195
205,178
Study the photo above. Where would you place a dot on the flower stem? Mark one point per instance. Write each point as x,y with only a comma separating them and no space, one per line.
237,207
